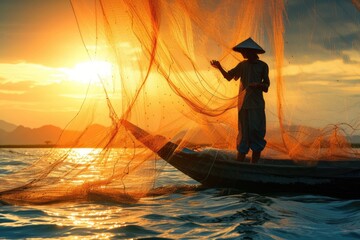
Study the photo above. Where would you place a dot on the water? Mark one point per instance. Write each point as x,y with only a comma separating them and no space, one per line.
185,213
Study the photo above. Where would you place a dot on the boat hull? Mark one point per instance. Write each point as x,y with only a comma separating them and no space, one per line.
219,168
212,169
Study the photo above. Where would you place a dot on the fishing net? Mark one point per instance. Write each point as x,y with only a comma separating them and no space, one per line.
162,82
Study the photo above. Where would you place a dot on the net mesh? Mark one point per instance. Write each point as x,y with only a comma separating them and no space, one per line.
162,82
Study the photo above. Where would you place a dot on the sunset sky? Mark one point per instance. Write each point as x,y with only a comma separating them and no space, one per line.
39,41
44,65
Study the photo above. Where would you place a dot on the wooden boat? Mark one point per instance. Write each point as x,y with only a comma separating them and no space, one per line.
219,168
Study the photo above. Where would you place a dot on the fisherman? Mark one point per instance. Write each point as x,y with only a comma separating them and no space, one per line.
254,77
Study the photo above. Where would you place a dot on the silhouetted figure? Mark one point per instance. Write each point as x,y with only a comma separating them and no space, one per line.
254,77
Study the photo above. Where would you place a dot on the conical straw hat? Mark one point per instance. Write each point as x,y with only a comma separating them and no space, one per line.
249,44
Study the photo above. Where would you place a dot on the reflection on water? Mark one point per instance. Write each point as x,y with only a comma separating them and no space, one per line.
69,174
83,155
176,209
84,216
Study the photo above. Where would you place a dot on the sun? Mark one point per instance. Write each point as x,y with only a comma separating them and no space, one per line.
90,71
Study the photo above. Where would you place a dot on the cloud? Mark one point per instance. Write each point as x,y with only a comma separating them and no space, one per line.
37,73
348,60
39,88
15,87
331,69
30,93
319,30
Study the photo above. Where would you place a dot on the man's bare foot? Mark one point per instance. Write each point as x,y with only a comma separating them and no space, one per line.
255,157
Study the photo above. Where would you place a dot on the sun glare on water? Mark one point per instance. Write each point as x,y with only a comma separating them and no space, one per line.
91,71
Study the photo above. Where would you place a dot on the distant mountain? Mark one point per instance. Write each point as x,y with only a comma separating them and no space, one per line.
28,136
94,135
6,126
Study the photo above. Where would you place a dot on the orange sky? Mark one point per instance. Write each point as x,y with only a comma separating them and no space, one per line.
39,40
43,63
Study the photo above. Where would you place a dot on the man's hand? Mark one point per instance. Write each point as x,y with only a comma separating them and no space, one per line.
215,64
